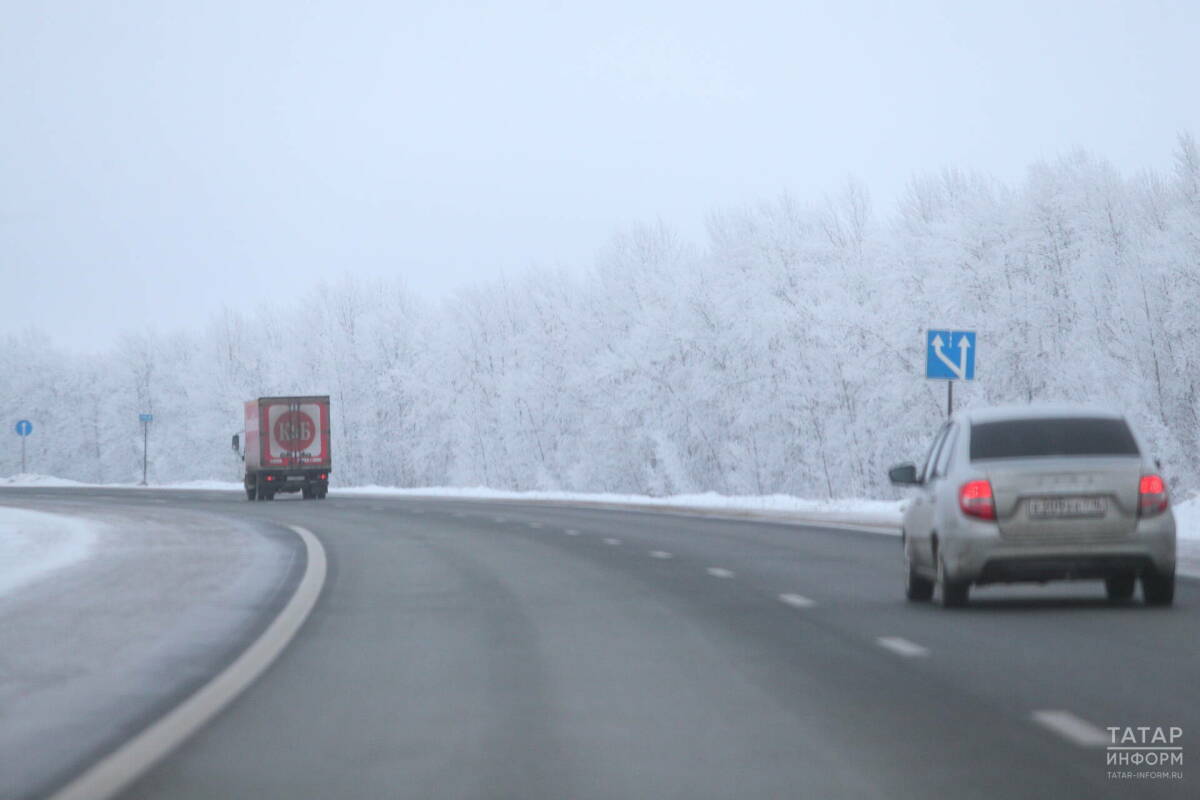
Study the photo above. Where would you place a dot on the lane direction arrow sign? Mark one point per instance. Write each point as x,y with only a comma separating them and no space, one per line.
950,355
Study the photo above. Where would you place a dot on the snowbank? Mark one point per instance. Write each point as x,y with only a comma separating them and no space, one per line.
1187,518
1187,531
34,544
30,479
882,514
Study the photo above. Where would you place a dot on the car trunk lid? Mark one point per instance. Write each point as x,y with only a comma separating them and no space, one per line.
1065,500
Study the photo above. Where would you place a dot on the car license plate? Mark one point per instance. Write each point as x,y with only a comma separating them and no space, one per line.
1067,507
295,477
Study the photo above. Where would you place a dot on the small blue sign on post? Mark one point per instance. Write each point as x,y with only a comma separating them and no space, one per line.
145,418
950,355
24,428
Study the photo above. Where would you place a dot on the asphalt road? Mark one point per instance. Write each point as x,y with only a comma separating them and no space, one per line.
467,649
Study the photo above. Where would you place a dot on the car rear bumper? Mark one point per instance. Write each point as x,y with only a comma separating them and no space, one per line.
1041,568
978,553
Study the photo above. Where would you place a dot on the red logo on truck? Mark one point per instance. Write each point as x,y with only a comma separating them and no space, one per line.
294,431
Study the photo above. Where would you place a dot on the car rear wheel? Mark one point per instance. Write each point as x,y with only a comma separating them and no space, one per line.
954,593
1158,589
1119,587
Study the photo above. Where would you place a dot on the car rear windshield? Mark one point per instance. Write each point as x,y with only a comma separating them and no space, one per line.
1075,436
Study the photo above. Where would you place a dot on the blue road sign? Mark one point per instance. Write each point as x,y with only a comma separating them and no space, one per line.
145,418
950,355
24,428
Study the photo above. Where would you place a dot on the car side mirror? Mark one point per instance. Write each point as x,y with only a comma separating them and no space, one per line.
903,475
237,443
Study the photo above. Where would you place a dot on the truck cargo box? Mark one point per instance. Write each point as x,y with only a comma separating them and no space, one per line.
287,446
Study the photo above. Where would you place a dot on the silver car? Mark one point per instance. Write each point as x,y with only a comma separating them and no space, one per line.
1037,493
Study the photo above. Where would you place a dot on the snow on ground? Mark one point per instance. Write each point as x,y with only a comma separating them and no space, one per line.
30,479
1187,530
34,544
884,514
1187,518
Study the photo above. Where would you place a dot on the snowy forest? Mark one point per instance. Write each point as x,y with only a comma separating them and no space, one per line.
782,354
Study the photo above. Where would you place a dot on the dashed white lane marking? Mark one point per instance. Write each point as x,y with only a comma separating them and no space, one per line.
118,769
535,524
499,519
613,542
902,647
659,554
796,600
720,572
1072,728
571,532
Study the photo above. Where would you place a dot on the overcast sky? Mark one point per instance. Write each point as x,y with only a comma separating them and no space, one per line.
158,159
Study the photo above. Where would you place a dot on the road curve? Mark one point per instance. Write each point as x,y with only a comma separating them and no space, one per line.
496,649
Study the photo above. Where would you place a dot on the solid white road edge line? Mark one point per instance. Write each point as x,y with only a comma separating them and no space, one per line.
1072,728
902,647
127,763
720,572
797,600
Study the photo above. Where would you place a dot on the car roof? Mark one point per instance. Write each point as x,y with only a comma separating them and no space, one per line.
1038,411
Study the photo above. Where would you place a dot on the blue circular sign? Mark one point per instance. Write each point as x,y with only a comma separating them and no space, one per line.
24,428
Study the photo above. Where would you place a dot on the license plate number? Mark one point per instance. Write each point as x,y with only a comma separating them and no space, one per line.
295,477
1067,507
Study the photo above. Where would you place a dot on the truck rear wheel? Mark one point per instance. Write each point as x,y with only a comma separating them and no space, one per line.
249,493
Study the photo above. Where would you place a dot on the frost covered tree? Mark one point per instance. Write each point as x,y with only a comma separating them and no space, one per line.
783,353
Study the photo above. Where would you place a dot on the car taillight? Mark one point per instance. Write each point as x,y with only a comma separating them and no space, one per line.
323,476
270,477
1152,496
975,500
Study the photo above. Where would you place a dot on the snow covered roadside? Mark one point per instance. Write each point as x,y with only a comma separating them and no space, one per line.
31,480
34,544
881,516
1187,531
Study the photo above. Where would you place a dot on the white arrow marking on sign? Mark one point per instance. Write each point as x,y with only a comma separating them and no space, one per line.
959,369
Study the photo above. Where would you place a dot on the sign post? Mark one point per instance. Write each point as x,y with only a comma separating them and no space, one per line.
950,356
24,428
145,419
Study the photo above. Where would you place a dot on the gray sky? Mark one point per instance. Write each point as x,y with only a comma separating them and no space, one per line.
158,159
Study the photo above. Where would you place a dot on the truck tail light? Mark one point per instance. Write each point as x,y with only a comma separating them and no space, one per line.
1152,496
975,500
324,476
270,477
